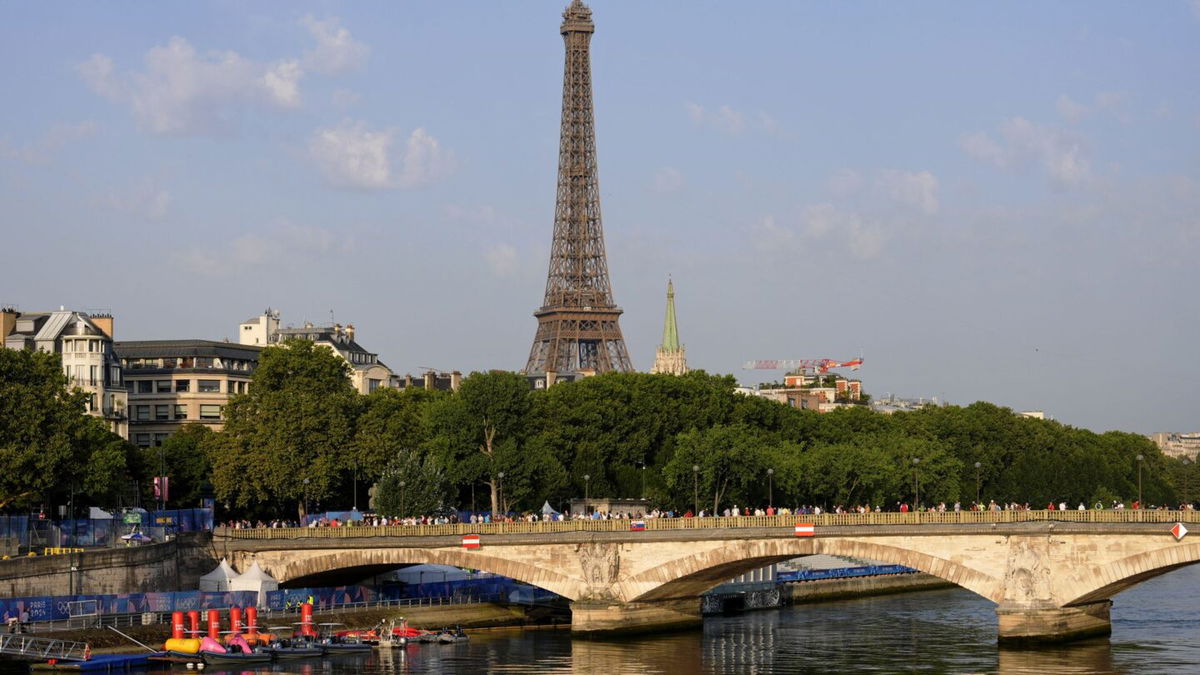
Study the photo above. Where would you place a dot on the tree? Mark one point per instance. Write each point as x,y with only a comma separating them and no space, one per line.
413,483
479,431
731,459
290,436
392,424
49,447
184,458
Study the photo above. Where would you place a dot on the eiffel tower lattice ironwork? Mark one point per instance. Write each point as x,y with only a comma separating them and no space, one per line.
577,323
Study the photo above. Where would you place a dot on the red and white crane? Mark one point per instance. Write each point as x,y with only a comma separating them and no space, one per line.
818,365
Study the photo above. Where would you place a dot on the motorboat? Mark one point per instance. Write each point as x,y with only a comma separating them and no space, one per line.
448,636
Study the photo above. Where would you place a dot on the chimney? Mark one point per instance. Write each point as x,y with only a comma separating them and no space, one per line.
8,322
455,380
430,377
408,381
104,322
350,331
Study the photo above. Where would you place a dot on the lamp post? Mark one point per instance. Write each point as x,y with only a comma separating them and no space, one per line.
356,485
162,469
587,482
770,487
977,482
643,480
916,485
402,484
500,492
1139,460
696,489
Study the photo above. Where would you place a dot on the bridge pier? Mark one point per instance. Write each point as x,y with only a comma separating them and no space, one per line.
1029,626
615,617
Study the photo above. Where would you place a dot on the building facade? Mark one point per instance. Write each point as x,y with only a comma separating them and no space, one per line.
367,372
820,392
176,382
1180,445
85,343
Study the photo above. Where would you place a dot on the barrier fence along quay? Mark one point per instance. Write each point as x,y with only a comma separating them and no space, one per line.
1108,516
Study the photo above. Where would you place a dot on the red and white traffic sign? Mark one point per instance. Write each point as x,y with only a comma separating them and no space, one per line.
1179,530
804,529
470,541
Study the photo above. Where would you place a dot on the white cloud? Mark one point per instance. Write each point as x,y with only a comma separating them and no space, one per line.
41,152
146,199
844,182
863,239
281,244
336,51
918,189
667,179
180,91
351,155
1022,143
725,118
344,98
1069,109
502,259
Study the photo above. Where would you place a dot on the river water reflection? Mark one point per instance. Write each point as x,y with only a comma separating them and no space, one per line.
1155,629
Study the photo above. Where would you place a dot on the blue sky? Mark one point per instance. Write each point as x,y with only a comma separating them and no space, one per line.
989,201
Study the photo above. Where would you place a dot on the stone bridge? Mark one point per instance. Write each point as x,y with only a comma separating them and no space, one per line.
1050,574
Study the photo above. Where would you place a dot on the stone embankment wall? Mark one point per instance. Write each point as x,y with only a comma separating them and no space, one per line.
171,566
796,592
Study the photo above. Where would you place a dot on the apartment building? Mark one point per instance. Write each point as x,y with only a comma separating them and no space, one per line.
176,382
85,343
367,372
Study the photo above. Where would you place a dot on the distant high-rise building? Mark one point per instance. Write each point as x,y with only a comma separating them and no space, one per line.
577,323
671,357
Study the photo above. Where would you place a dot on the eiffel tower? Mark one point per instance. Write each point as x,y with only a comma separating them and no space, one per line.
577,323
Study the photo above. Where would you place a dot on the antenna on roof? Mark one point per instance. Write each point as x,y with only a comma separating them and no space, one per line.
331,317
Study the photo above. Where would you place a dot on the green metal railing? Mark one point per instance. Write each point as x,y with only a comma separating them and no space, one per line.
788,521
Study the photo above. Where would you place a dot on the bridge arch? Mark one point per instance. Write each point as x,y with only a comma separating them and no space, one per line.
693,574
1097,583
286,565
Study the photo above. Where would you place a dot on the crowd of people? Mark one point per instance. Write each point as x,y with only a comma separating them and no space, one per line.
373,520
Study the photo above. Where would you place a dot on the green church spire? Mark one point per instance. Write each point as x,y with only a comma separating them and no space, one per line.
670,339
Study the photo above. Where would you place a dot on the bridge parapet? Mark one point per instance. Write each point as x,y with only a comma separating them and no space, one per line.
720,522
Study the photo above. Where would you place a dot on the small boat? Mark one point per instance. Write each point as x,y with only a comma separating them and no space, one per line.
332,643
448,636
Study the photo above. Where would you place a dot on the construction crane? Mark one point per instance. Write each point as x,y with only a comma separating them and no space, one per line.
818,365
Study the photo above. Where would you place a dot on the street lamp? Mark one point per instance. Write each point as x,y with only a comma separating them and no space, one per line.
696,489
306,499
770,487
916,485
643,479
356,485
1139,460
500,492
402,484
587,481
977,483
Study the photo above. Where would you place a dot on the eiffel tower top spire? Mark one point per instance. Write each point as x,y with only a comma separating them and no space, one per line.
577,323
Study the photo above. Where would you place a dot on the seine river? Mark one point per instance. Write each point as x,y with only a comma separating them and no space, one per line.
1156,629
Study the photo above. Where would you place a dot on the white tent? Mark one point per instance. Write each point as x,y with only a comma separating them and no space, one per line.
548,510
255,579
218,579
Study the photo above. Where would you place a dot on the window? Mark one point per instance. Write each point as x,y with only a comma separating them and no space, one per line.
204,362
183,385
209,386
161,412
143,440
163,386
187,362
67,369
159,438
372,385
143,412
145,387
91,345
92,375
180,411
169,362
210,412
